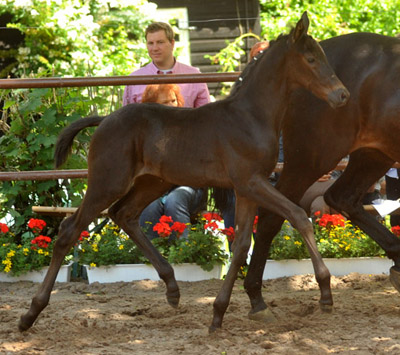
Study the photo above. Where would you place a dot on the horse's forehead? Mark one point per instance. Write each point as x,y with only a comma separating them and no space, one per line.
310,45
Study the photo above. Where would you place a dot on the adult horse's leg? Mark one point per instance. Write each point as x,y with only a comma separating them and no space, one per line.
126,212
365,167
269,224
244,217
68,234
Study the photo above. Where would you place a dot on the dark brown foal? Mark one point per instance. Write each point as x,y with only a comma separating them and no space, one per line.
138,152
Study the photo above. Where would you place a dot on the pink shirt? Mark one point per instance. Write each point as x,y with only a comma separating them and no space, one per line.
195,94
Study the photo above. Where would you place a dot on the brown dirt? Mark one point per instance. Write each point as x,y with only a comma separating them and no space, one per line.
134,318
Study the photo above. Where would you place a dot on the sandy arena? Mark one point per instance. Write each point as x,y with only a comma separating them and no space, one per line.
134,318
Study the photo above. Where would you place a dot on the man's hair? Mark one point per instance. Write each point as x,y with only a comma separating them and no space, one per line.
161,26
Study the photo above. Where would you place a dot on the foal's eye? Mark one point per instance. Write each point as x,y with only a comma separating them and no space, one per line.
311,60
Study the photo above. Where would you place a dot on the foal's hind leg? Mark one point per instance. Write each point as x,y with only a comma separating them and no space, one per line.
244,217
126,213
102,191
365,167
68,235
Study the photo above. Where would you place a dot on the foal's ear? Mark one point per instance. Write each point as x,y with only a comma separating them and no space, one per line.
301,28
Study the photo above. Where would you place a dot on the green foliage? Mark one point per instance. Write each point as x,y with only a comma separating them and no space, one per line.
229,58
35,118
328,18
202,247
109,247
331,17
342,240
62,38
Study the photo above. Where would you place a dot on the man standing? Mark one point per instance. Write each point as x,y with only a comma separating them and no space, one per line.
160,46
182,201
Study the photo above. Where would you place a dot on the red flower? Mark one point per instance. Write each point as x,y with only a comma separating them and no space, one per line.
255,223
209,216
329,220
41,241
230,233
84,234
179,228
213,225
36,225
166,219
163,229
3,228
318,213
396,230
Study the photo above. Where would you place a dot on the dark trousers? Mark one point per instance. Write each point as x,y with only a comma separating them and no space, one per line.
393,193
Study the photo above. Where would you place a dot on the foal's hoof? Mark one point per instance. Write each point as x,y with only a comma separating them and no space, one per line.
212,329
395,278
173,301
265,316
326,308
23,326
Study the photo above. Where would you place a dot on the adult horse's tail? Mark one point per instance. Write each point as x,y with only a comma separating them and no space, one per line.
66,137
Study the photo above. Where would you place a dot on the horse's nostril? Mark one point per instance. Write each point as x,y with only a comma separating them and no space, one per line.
344,97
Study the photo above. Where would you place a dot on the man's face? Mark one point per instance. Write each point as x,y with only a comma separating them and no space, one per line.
159,48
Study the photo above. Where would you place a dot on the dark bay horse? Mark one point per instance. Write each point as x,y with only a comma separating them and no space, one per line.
316,137
141,150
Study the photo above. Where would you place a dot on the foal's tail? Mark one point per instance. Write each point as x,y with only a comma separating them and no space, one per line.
66,137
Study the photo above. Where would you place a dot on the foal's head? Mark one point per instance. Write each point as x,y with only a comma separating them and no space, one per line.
309,68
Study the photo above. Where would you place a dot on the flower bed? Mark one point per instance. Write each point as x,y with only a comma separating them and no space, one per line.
25,253
202,247
205,247
335,236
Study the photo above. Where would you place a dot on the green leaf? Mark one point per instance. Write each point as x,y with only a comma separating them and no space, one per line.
8,104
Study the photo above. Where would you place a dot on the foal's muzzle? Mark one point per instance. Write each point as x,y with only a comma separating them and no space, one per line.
338,98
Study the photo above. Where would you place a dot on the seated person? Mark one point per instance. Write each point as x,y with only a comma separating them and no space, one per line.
181,202
313,199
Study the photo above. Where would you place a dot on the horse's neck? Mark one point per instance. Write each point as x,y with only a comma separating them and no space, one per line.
264,89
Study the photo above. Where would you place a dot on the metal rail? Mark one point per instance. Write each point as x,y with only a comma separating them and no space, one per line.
83,173
117,80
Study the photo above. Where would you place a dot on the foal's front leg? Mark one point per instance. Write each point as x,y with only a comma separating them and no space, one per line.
244,217
271,199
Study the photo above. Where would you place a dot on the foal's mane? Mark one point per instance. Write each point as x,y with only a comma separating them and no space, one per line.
250,66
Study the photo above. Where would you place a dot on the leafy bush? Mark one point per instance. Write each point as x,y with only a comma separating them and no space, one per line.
62,38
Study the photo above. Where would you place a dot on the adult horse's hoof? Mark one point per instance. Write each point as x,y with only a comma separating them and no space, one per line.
326,308
395,278
265,316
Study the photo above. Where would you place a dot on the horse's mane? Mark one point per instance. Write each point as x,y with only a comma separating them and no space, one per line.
251,65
